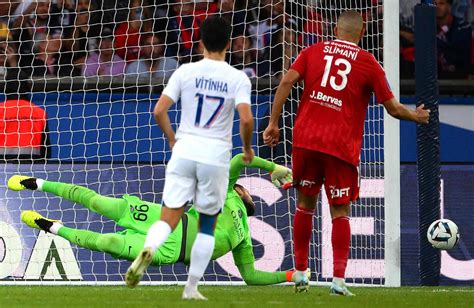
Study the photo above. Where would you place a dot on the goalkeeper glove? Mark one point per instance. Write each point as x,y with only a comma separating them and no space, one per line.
281,176
290,275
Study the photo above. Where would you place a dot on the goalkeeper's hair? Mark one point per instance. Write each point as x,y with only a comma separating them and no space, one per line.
215,33
247,200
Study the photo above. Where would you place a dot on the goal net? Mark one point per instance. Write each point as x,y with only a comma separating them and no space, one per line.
81,79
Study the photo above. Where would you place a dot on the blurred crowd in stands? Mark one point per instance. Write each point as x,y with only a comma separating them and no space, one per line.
454,38
143,38
151,38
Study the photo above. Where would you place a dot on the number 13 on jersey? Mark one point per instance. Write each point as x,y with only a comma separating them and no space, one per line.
344,68
206,101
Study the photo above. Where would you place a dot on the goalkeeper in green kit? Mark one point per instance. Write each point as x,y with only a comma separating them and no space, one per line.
136,216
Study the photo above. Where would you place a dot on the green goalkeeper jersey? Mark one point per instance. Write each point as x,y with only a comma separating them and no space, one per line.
232,230
136,216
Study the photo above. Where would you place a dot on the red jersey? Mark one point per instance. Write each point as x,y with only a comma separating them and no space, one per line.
339,78
127,41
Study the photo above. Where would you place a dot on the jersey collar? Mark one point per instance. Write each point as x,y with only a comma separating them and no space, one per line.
346,42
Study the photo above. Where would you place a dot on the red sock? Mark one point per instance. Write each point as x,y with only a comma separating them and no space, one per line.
302,230
341,238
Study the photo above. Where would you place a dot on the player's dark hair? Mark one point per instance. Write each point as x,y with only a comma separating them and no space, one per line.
215,33
248,202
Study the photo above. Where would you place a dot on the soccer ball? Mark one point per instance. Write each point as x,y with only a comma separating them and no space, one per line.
443,234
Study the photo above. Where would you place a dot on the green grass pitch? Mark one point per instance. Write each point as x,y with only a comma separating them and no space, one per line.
232,296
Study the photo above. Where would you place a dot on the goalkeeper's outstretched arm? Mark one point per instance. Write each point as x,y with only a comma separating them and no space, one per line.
254,277
280,174
237,164
244,259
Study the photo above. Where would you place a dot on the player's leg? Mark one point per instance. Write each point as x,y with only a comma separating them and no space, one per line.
340,240
111,243
302,232
155,238
201,254
307,179
178,191
124,245
120,245
342,184
211,189
160,230
134,242
112,208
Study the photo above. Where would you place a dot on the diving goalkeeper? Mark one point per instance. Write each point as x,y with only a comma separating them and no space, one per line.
136,216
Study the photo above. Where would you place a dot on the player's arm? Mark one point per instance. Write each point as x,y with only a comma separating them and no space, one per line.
271,135
254,277
401,112
282,93
246,131
384,94
242,103
245,260
163,120
280,174
170,95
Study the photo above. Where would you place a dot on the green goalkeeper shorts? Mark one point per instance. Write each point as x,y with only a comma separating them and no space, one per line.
134,241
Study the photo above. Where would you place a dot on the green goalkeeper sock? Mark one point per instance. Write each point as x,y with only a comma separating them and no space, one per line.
112,208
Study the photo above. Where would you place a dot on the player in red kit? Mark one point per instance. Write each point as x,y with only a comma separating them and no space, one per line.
339,78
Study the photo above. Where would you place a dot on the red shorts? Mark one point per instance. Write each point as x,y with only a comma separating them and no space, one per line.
312,169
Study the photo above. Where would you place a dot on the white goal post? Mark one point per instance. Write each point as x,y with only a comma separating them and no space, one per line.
392,148
102,134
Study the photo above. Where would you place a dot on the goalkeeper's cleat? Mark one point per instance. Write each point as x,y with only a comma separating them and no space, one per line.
193,295
301,280
37,221
340,289
21,182
136,271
